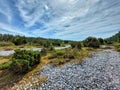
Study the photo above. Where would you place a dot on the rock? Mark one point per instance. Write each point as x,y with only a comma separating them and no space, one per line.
98,72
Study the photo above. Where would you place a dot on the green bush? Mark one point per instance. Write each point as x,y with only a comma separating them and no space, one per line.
91,42
23,60
20,66
102,42
77,45
32,56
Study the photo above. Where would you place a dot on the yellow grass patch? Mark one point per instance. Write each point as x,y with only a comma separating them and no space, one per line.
3,60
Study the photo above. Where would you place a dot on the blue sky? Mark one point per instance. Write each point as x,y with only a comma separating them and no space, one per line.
62,19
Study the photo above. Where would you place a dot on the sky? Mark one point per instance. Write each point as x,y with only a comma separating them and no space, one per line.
60,19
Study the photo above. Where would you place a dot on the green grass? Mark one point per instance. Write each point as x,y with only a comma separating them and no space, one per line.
117,46
61,57
5,62
5,65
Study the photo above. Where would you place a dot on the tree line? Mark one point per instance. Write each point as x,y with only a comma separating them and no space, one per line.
114,38
38,41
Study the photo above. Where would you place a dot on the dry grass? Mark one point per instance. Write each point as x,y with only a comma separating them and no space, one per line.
3,60
7,79
71,56
117,46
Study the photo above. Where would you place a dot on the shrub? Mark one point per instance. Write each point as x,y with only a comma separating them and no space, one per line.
20,66
102,42
23,60
77,45
32,56
91,42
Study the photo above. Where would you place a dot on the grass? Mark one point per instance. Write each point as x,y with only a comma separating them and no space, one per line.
7,79
117,46
5,65
3,60
64,56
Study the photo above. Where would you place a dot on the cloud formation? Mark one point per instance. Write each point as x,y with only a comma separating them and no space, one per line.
63,19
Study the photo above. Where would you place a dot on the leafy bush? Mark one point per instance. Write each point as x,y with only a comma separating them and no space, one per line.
32,56
20,66
102,42
23,60
91,42
77,45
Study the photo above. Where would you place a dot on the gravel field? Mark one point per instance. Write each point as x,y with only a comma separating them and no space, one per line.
99,72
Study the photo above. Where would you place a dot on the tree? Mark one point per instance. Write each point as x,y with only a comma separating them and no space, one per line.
114,38
19,40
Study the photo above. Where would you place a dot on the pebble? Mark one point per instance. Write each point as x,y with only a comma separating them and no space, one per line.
99,72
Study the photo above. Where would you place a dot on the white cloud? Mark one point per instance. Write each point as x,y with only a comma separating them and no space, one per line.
5,10
11,29
30,11
67,19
